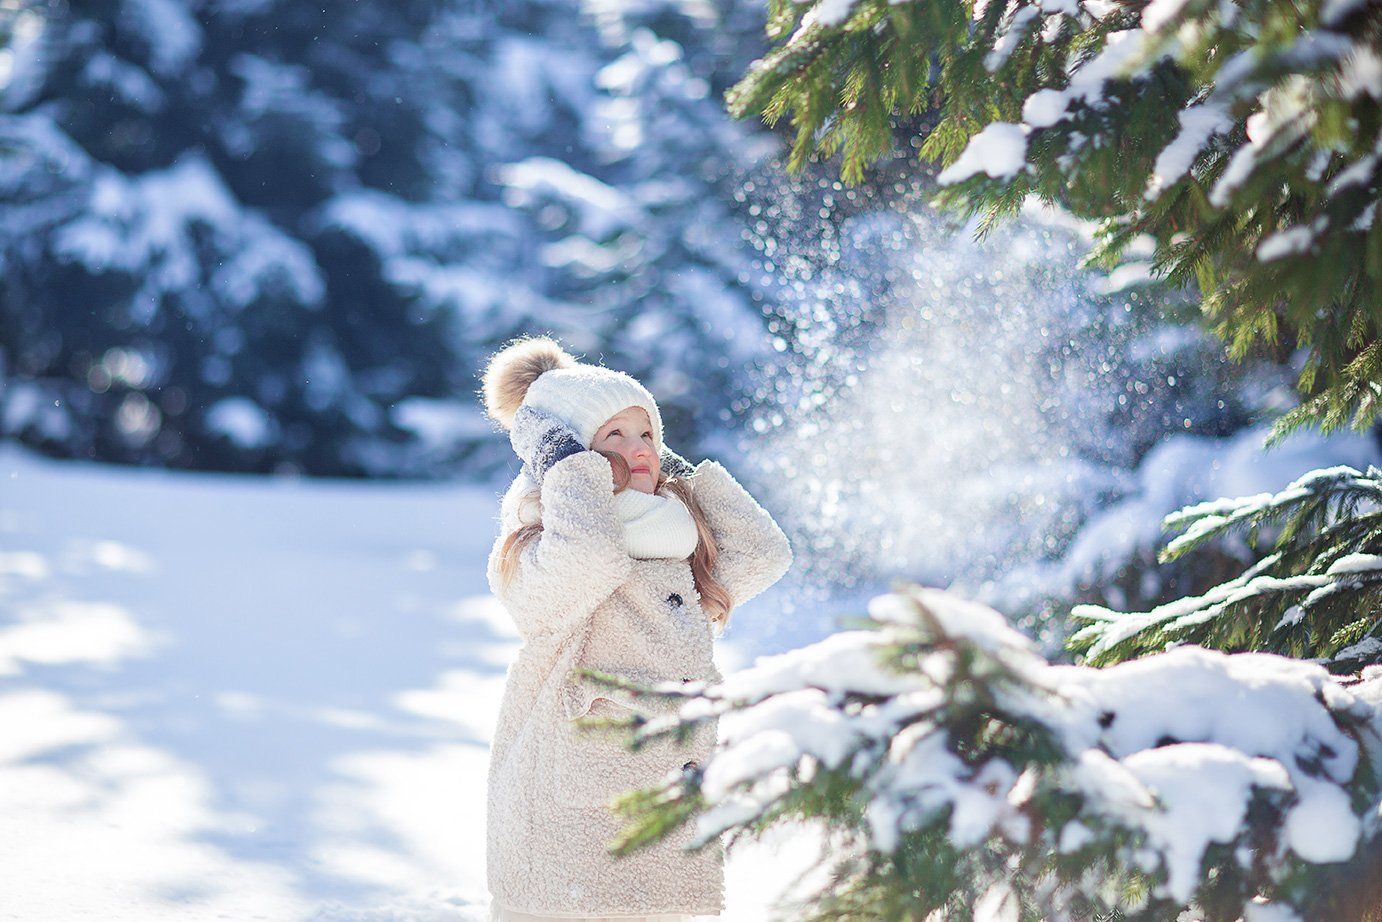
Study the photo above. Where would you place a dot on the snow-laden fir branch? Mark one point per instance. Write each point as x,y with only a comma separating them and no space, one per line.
1315,596
944,748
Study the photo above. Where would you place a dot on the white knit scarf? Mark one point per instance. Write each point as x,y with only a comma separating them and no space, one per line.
656,525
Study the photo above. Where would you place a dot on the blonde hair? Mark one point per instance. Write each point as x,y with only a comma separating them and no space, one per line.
715,599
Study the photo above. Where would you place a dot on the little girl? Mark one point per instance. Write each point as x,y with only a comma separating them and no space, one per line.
616,554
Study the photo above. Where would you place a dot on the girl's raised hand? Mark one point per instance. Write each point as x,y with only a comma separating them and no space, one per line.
541,440
674,465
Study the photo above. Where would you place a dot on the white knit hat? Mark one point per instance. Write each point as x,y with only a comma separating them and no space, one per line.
586,396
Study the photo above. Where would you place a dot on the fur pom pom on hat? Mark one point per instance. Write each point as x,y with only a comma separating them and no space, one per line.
537,372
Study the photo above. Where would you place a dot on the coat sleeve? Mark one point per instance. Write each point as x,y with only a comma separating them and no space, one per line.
753,550
576,561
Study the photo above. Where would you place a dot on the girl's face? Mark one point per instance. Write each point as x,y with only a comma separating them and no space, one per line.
630,432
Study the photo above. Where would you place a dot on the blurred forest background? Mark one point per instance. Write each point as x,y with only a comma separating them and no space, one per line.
255,253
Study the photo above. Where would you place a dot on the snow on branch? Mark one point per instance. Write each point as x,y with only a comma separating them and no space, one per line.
1314,596
150,227
941,734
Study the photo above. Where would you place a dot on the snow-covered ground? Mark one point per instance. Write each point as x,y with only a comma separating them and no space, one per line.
233,697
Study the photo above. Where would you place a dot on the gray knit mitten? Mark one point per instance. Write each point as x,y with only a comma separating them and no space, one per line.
674,465
541,440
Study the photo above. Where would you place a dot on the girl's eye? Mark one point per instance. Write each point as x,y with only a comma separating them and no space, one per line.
614,432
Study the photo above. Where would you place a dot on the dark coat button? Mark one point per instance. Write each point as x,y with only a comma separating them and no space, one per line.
684,679
674,599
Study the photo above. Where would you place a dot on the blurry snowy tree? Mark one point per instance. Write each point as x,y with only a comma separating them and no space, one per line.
175,288
635,216
248,235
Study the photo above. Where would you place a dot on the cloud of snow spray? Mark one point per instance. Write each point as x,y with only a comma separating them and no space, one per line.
941,408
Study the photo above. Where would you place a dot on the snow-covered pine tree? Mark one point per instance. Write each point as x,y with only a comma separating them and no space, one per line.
1244,138
954,769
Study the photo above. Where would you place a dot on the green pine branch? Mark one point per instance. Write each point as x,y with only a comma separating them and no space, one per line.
1295,122
1315,597
953,697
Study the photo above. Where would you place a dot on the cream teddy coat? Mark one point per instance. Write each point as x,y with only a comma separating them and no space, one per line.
578,598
